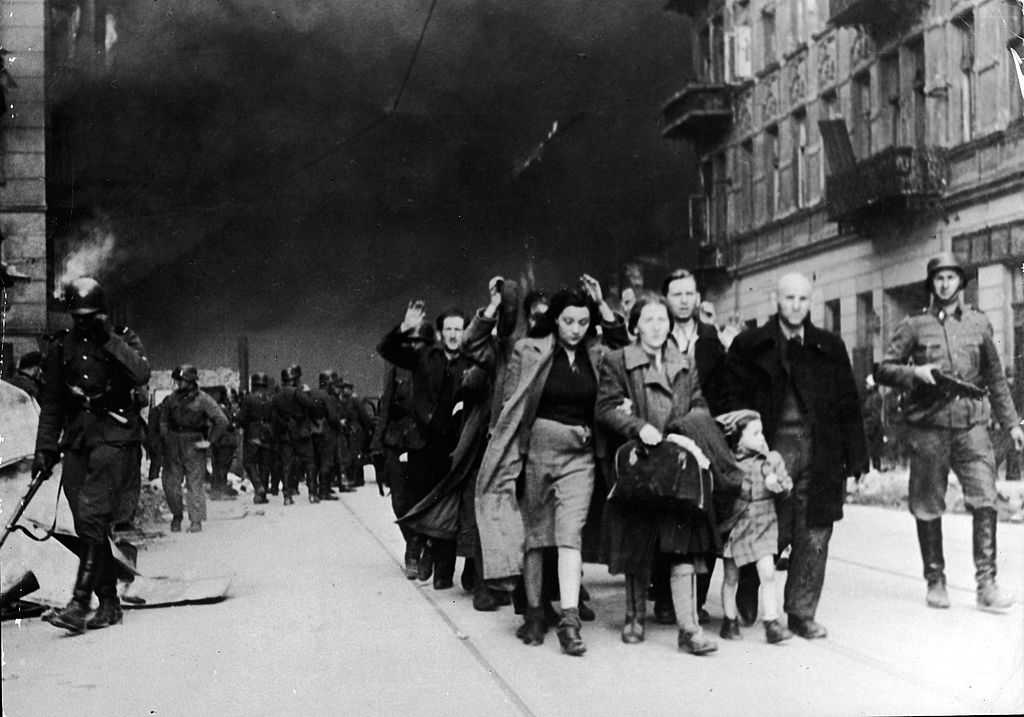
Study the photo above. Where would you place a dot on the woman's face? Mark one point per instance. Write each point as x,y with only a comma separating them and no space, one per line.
573,323
653,326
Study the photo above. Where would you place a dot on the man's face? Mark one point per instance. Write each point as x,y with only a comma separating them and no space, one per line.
945,284
346,392
683,298
794,300
451,333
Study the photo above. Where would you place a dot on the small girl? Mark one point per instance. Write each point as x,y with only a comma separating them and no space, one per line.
752,529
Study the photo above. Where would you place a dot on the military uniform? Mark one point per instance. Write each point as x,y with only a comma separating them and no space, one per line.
256,420
223,453
292,408
948,427
187,419
325,430
356,430
89,415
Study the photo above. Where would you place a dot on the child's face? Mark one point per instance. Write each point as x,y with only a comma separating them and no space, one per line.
752,439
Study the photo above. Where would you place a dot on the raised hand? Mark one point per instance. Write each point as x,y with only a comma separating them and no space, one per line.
415,313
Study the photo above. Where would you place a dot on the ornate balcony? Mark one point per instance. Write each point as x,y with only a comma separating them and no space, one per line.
878,14
700,112
897,179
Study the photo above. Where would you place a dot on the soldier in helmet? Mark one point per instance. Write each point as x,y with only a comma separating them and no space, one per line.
190,422
255,416
293,411
947,428
356,430
88,415
325,434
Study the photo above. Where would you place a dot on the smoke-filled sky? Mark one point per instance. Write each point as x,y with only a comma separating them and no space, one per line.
245,157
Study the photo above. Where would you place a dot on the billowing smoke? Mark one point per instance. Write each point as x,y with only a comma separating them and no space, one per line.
246,158
90,252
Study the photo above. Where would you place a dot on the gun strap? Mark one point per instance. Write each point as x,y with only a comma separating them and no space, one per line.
48,533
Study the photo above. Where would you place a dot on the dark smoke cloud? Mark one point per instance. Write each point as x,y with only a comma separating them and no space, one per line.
229,153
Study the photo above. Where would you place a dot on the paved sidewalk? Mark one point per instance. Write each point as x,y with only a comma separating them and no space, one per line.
320,621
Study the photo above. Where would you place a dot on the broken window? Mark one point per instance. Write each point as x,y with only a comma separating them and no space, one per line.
965,34
771,169
861,101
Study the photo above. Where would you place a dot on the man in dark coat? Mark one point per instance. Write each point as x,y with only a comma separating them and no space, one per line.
292,410
88,414
326,426
29,376
800,380
356,429
222,453
437,372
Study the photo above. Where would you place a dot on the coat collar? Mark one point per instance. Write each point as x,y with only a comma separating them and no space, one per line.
635,357
770,335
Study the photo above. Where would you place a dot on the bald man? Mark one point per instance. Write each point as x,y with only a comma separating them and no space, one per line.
799,378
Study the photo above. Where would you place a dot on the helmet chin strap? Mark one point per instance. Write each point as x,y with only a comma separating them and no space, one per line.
956,302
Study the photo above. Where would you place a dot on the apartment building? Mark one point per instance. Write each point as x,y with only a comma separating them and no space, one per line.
851,140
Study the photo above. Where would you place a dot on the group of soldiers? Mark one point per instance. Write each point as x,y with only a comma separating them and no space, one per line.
290,434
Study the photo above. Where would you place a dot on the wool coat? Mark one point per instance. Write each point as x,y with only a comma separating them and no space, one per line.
755,377
497,507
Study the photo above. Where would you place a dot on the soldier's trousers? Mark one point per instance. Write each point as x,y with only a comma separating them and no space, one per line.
325,447
93,479
297,457
220,459
277,470
806,575
933,451
183,462
257,459
131,489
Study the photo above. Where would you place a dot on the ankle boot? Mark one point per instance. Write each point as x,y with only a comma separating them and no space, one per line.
775,632
569,632
109,611
929,537
633,630
413,548
684,595
532,631
468,578
989,597
444,564
73,616
730,629
426,561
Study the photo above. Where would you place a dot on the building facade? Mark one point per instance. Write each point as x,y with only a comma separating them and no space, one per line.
23,170
851,140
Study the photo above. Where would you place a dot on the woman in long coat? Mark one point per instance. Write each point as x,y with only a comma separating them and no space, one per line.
545,433
646,391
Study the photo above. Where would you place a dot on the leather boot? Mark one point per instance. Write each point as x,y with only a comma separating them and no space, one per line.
426,561
989,597
633,630
444,564
929,537
569,632
109,612
413,548
468,578
73,616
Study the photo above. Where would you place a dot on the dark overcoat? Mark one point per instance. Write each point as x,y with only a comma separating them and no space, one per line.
755,377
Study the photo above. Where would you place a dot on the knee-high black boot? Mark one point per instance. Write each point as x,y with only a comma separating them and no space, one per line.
989,596
73,616
929,537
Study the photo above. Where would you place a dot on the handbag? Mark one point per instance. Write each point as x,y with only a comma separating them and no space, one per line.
662,477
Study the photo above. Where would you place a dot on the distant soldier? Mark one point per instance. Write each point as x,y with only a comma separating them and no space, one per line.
154,441
292,409
190,422
946,361
326,424
89,415
255,417
356,431
223,451
29,376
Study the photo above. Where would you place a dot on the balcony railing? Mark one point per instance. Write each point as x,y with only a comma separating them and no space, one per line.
896,179
875,13
699,112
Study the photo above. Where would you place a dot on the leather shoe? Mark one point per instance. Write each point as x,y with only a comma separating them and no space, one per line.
71,618
775,632
730,629
484,600
108,613
176,524
532,631
664,612
195,527
807,628
696,643
569,633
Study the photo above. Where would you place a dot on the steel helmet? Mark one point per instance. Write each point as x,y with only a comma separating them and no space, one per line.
326,378
84,296
291,374
186,372
259,380
944,260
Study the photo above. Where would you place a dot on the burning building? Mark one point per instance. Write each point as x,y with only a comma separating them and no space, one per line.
851,140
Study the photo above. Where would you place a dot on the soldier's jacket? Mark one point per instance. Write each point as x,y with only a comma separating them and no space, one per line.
959,343
292,411
325,413
256,418
356,423
396,426
86,399
194,412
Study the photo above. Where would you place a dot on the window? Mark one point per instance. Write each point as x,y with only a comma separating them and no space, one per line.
768,35
719,196
771,169
915,54
800,188
889,77
798,21
965,31
867,321
717,43
829,110
745,159
832,316
861,101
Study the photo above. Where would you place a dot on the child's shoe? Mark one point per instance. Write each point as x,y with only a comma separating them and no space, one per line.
730,629
696,642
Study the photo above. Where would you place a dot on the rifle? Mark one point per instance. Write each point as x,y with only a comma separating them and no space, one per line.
37,481
953,387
